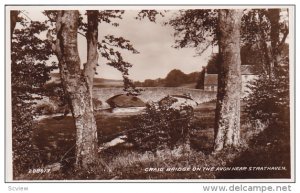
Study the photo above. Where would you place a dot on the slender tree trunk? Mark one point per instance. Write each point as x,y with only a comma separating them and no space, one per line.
76,87
272,53
13,20
274,16
92,49
263,42
227,125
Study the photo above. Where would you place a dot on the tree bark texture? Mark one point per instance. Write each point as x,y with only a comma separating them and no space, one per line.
13,21
274,17
265,50
92,49
227,124
76,87
271,53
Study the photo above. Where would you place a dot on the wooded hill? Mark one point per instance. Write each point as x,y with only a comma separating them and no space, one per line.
175,78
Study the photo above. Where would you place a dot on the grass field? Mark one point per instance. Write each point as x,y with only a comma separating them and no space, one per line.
55,138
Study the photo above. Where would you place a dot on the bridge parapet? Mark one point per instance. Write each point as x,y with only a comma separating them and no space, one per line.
156,93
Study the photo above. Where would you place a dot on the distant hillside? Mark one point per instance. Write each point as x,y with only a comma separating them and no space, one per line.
102,83
175,78
98,82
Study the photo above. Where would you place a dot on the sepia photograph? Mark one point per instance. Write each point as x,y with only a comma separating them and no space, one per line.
151,93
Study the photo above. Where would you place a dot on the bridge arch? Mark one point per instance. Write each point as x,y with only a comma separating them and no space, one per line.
155,94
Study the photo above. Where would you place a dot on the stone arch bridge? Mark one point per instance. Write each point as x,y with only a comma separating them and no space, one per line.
155,93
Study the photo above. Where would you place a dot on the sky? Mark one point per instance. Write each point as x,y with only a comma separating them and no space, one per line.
154,41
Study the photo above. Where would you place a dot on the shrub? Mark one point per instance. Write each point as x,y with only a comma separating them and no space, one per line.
55,91
25,153
97,104
29,72
268,99
44,109
58,97
162,126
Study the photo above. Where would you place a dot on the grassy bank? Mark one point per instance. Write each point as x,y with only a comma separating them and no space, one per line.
56,138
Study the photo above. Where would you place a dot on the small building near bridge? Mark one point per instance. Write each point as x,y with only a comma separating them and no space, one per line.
211,82
248,74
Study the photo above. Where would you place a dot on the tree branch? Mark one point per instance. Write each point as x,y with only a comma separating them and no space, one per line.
81,34
26,15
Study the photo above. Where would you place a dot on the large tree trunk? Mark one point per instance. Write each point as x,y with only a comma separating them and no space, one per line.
76,87
227,125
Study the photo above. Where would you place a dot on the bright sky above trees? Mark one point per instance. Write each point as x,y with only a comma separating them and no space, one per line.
154,42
